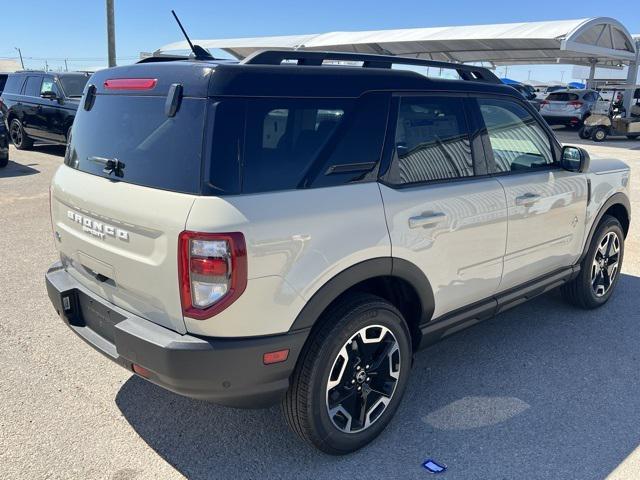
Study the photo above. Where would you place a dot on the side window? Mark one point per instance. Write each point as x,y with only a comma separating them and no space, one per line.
517,140
32,88
432,141
283,139
49,85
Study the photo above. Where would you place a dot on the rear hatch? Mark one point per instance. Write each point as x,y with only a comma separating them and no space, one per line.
565,102
132,171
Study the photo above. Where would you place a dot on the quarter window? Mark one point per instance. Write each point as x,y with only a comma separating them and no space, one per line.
517,140
432,141
283,139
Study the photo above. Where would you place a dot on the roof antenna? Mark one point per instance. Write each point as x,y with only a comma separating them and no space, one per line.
199,52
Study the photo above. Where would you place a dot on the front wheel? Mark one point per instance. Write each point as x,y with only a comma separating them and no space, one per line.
351,376
600,269
599,134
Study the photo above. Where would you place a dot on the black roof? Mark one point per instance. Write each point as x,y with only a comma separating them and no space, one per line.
202,78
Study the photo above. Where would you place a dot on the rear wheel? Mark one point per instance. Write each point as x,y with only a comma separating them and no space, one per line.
599,134
19,138
584,133
600,269
351,376
4,160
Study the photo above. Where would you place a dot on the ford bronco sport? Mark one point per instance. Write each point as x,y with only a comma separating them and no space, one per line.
289,230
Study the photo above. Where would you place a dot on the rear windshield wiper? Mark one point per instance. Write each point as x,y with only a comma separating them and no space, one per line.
111,165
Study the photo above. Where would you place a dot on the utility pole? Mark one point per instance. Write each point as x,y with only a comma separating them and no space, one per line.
66,68
111,39
20,53
46,66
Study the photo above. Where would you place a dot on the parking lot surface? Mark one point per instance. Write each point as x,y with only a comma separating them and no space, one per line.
541,391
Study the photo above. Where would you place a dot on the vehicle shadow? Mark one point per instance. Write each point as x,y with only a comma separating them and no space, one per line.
14,169
542,391
50,149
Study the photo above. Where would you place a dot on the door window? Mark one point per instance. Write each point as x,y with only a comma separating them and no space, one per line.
32,88
432,141
517,139
49,85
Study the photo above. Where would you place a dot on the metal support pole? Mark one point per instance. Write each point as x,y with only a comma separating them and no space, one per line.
592,75
632,79
111,39
20,53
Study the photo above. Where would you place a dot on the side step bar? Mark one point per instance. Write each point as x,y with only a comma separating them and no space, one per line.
462,318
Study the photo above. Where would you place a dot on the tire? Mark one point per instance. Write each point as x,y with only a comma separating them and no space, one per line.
633,137
19,138
582,291
584,133
599,134
4,161
326,358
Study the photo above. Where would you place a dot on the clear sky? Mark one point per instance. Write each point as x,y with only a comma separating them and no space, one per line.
76,29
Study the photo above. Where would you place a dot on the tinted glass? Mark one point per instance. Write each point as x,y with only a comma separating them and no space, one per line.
14,84
517,140
357,147
283,138
562,97
32,88
157,151
432,141
73,85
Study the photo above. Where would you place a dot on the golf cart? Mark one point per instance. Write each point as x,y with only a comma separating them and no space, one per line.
609,117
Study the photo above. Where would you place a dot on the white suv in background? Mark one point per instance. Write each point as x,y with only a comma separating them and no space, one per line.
281,230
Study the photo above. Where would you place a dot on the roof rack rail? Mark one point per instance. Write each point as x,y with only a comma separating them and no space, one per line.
276,57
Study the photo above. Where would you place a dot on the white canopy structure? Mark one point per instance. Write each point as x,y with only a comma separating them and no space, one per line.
601,40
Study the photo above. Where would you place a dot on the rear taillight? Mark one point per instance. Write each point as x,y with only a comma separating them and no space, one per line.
212,270
576,104
130,83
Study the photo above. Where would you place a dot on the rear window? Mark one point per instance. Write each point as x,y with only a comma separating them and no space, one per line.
562,97
157,151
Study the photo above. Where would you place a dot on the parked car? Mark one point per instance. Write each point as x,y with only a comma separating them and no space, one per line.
280,232
528,92
568,107
3,80
4,144
41,106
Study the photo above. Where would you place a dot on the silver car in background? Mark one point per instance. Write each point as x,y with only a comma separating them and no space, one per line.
568,107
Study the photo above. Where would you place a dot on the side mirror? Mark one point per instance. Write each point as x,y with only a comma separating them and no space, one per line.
49,95
575,159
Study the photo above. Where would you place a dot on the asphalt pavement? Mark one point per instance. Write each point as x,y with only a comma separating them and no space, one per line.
541,391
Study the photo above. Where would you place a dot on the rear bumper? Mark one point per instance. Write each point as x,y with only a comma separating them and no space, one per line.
224,371
562,119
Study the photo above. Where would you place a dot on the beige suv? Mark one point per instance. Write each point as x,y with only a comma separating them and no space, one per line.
285,230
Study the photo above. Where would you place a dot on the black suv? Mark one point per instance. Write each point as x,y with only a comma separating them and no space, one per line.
41,106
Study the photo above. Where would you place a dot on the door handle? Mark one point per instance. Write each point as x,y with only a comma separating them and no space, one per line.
426,219
527,199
